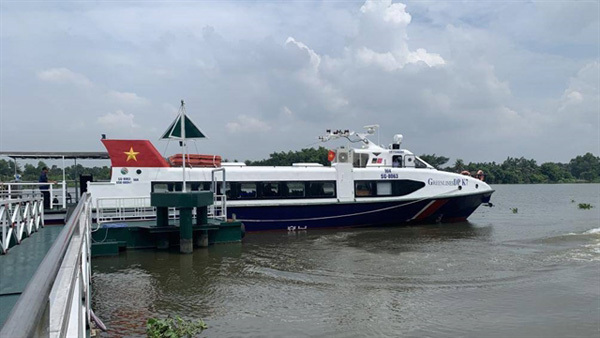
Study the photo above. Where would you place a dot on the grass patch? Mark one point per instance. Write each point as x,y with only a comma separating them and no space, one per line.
174,327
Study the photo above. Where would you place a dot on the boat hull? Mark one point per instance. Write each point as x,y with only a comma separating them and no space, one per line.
358,214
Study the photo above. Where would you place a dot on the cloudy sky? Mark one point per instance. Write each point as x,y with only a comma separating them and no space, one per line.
476,80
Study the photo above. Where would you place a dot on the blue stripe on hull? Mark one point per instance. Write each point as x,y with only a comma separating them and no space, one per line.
258,218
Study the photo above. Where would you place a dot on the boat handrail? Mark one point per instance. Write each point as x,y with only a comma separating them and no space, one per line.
218,209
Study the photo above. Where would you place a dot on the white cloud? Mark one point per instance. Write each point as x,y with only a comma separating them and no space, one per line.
581,99
571,97
117,120
310,75
421,55
383,40
395,13
64,75
315,59
386,61
508,77
287,112
126,98
247,124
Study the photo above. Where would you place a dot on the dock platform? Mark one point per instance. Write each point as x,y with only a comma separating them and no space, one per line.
19,265
110,238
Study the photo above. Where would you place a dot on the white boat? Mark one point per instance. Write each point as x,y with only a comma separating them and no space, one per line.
367,186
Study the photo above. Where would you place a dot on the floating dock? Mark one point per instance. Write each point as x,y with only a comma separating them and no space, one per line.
110,238
187,232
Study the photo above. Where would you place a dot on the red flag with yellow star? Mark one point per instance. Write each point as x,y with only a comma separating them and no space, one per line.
133,153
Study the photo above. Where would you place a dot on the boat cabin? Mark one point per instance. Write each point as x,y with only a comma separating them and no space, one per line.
372,155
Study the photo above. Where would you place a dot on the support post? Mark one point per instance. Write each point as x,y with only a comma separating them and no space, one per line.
203,239
64,185
162,216
51,194
186,242
76,183
201,215
183,145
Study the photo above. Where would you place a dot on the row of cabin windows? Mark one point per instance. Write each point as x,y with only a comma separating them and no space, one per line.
296,189
386,188
258,190
176,186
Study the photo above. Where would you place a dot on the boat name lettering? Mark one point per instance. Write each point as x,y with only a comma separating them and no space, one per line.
123,180
388,174
456,181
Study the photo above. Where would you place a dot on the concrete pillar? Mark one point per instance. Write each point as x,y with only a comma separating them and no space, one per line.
162,216
203,239
186,241
162,242
201,215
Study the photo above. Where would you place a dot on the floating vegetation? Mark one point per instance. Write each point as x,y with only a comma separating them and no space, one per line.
514,210
572,201
585,206
174,327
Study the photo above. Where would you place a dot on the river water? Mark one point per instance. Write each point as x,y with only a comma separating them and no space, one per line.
533,273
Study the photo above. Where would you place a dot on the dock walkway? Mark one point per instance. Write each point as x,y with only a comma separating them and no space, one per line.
20,263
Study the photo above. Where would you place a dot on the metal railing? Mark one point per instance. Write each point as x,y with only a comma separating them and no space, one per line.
56,301
123,208
218,209
110,209
19,217
12,190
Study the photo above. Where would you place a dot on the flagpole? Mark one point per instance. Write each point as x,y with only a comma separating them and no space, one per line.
183,189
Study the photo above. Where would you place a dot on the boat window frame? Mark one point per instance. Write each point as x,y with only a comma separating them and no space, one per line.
360,160
401,187
233,190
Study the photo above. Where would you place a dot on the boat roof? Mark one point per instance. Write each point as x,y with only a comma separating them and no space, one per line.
86,155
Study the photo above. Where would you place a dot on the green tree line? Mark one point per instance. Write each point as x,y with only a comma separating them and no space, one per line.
306,155
30,172
583,168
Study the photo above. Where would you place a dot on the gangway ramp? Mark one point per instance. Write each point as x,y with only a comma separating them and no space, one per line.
56,299
19,265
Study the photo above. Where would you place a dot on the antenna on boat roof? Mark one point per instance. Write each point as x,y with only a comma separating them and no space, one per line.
335,134
371,128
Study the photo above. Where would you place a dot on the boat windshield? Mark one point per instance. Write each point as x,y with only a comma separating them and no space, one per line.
360,160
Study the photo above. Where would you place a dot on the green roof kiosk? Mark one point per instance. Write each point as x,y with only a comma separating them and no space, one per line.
182,129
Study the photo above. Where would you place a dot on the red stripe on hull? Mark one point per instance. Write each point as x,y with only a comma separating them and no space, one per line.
430,209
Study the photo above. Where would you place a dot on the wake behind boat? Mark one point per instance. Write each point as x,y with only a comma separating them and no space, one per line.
367,186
